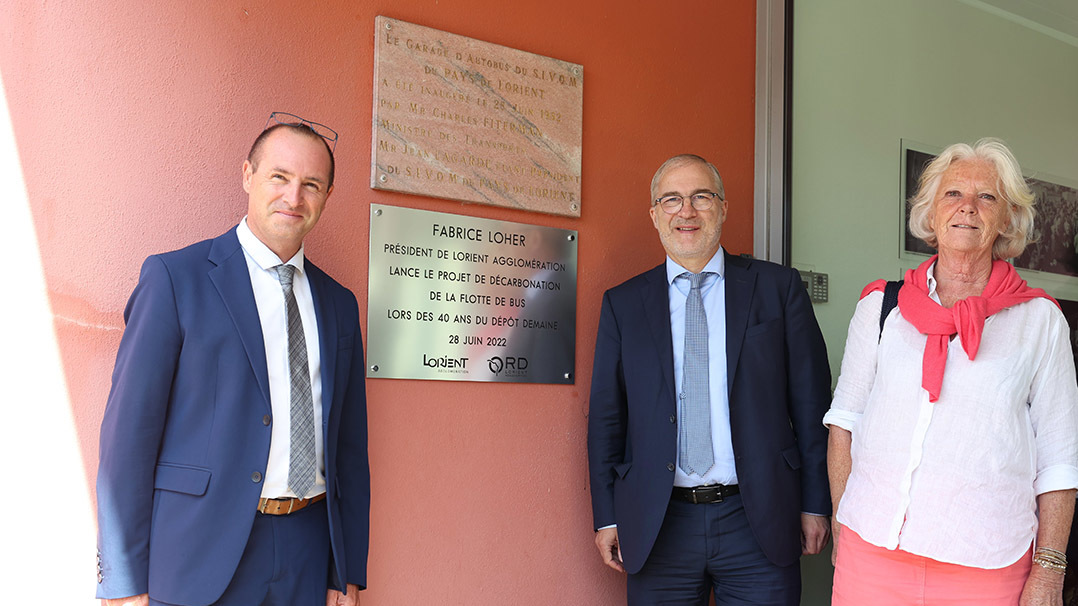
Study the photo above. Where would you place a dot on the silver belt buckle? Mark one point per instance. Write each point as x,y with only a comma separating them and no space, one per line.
716,489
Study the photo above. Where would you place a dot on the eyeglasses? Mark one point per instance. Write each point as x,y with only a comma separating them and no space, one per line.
321,130
701,200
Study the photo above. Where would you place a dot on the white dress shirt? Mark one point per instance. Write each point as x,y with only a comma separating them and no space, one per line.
269,298
956,480
713,292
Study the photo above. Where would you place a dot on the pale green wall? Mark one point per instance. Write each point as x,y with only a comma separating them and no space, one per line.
869,73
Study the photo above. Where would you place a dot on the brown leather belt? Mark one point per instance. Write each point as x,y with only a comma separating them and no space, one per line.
715,493
286,505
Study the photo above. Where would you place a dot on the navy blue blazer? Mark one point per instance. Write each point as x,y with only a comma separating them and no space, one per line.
779,386
186,433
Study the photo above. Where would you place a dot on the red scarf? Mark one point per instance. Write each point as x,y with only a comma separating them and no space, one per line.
966,319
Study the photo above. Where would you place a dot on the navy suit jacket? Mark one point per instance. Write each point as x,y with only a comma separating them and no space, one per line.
779,387
186,433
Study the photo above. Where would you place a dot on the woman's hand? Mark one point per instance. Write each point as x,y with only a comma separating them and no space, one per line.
1043,588
835,528
839,464
1055,509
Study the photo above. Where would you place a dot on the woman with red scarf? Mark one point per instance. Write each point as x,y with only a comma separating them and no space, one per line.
953,450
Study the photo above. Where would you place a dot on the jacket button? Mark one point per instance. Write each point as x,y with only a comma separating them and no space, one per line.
256,477
673,419
670,467
266,420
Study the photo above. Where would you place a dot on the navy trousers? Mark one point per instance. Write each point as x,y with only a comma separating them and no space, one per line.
285,563
710,547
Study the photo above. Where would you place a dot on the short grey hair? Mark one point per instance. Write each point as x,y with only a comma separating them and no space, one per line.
679,161
1011,184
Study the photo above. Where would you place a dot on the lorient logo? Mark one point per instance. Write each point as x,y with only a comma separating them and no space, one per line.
445,362
510,365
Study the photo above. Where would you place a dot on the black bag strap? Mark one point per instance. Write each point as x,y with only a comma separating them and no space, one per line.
890,301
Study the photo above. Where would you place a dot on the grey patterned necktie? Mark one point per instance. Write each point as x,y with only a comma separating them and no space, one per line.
301,456
694,431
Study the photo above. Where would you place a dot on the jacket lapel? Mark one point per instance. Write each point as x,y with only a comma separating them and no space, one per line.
233,283
740,283
326,316
657,311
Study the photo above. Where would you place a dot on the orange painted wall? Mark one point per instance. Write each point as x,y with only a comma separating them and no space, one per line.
132,119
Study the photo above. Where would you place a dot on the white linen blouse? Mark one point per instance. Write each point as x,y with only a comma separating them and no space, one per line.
956,480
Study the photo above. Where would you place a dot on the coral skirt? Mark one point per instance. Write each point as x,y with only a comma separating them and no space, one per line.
869,575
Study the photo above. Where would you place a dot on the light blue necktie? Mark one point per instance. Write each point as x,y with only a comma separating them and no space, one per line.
301,455
695,451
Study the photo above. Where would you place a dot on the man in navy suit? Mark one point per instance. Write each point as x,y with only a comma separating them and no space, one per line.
233,465
721,494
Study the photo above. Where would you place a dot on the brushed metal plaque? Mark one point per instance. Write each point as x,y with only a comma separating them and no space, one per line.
468,120
457,298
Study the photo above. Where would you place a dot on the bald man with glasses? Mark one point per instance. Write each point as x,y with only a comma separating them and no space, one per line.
706,450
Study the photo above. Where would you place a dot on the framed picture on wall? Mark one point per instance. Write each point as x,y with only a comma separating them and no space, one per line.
915,156
1055,250
1070,310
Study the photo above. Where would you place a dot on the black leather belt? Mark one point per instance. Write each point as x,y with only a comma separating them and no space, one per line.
715,493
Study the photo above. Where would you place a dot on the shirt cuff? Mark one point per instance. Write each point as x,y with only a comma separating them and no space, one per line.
1056,477
605,527
818,515
841,418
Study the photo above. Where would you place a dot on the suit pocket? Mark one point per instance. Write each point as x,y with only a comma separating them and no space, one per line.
793,457
622,468
180,478
763,327
345,342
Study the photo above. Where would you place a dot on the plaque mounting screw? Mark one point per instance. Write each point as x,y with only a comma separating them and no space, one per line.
389,25
377,213
568,375
571,237
573,207
374,368
576,70
383,178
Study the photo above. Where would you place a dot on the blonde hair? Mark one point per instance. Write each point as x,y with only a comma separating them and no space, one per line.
1011,184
